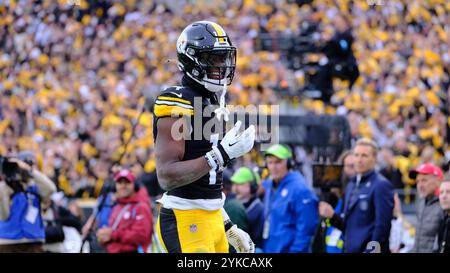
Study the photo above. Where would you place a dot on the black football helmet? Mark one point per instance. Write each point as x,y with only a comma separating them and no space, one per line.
206,54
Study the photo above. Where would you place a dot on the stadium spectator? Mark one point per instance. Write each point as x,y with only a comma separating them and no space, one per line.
388,168
329,239
234,208
368,204
130,222
290,207
348,161
429,213
401,239
55,218
245,186
444,230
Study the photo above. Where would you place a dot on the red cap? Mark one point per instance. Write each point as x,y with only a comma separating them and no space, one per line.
125,174
427,168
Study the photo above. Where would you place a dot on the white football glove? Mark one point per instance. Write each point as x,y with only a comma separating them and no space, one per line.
233,145
240,240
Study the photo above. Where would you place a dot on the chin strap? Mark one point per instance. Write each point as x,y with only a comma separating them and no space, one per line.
222,110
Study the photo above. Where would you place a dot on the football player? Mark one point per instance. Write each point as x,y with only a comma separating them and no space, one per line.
191,217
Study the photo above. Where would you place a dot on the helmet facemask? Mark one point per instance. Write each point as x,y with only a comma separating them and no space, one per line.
219,64
216,67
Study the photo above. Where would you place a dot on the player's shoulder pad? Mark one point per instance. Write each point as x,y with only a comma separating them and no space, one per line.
174,101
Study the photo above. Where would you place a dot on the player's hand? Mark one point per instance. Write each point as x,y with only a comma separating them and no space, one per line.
104,235
233,145
236,145
325,210
240,240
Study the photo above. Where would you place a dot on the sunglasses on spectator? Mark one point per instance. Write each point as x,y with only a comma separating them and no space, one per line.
123,181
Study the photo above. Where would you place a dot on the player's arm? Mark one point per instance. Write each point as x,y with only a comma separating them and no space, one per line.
171,170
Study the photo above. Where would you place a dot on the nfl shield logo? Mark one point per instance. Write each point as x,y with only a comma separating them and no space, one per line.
193,228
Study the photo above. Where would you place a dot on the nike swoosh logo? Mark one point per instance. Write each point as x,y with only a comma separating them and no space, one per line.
176,94
231,144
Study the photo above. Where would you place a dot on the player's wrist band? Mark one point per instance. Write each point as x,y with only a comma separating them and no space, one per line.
228,224
217,158
224,156
210,160
214,160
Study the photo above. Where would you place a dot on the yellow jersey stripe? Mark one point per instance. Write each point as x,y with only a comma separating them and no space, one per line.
164,102
173,111
174,99
219,31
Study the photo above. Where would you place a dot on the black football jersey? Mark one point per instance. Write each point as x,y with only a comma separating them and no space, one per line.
190,100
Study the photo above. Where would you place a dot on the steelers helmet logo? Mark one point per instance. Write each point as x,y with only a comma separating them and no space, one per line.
182,42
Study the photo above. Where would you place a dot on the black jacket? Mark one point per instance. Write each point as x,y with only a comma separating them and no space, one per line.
444,235
54,227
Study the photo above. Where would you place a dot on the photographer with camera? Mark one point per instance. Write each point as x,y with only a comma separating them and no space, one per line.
22,190
339,52
323,56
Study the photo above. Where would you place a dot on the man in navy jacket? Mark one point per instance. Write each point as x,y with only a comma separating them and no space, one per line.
368,205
